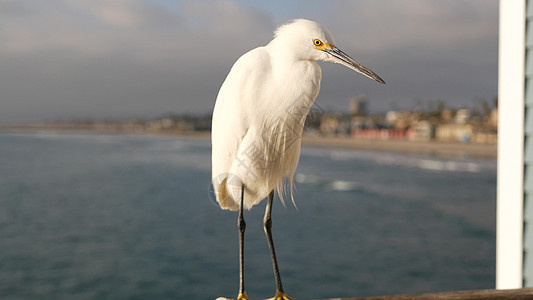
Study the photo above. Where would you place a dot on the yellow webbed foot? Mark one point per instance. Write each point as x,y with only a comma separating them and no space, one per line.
280,296
242,296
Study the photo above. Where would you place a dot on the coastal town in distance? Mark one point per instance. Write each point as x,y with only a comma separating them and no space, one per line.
432,129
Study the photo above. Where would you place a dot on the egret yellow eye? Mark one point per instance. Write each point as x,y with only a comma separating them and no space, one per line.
317,42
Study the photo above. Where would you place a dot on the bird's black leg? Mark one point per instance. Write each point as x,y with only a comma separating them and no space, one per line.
280,294
242,227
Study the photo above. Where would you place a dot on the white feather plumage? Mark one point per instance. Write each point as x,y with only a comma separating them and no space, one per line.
260,112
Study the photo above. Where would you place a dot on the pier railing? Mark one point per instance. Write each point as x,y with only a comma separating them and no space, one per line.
525,293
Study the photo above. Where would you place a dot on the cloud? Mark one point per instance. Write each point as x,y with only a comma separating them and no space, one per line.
98,58
128,27
77,57
122,13
390,24
423,49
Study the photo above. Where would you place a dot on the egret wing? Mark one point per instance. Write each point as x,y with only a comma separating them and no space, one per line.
236,98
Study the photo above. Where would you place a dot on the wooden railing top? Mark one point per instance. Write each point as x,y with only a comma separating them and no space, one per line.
525,293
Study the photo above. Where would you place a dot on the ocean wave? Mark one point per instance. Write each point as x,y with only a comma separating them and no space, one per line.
301,178
403,160
341,185
334,185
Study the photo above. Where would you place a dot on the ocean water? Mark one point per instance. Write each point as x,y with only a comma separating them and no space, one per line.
102,216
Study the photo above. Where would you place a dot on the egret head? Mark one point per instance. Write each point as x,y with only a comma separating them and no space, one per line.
309,40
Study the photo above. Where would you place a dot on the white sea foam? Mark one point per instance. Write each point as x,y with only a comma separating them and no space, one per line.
340,185
420,162
431,165
301,178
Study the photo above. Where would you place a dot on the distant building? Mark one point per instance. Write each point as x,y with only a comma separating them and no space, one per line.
392,116
446,115
183,125
162,124
329,125
167,123
454,132
358,106
462,116
400,120
493,118
423,131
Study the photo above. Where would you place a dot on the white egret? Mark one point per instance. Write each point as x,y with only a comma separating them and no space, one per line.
258,120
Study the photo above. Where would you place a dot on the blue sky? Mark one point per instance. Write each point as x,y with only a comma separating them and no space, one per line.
78,59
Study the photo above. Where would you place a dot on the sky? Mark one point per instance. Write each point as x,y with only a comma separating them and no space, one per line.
101,59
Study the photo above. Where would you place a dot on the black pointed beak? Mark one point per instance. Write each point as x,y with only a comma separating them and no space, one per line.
338,56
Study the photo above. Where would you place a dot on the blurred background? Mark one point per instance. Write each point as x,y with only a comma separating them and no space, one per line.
105,151
72,59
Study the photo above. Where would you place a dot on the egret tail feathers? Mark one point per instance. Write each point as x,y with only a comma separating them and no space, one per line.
224,199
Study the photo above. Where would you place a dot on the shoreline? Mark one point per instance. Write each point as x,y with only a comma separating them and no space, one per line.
437,148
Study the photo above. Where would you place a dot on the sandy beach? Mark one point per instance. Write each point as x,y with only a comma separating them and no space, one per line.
445,149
